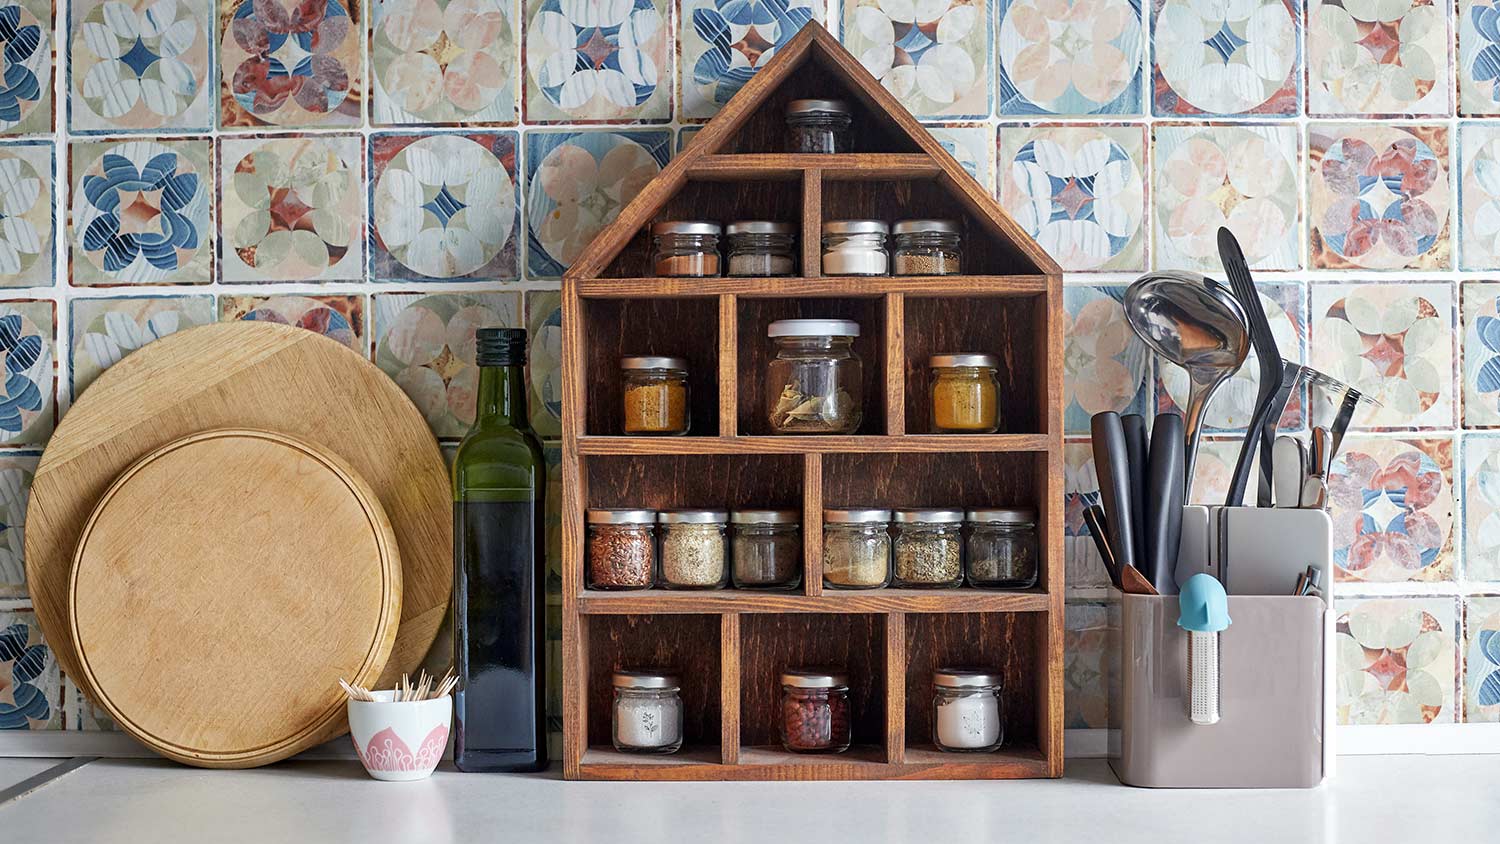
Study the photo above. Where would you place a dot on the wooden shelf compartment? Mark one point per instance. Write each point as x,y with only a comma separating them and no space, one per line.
790,167
669,601
1006,327
805,444
959,286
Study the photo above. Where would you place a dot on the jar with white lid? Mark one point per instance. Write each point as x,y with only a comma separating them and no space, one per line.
647,715
694,552
815,382
929,549
855,247
968,716
1002,548
766,549
820,126
686,248
856,549
759,249
926,247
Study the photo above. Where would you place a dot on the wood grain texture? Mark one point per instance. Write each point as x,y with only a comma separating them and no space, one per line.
618,328
599,602
710,481
685,645
771,644
255,375
957,286
812,444
791,167
763,764
200,643
1001,326
1004,642
930,479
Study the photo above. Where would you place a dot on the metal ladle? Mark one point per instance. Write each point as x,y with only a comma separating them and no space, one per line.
1180,318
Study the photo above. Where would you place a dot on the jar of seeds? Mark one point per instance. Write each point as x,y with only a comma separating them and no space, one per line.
622,549
766,549
693,549
929,548
856,549
1003,547
926,247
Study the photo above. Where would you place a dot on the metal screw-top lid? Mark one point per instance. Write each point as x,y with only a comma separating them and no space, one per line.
1005,515
692,517
814,678
930,516
765,517
622,517
813,328
757,227
500,346
963,359
856,516
921,226
653,362
685,227
649,678
855,227
965,678
806,106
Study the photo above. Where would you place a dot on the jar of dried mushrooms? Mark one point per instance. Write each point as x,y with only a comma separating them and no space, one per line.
814,384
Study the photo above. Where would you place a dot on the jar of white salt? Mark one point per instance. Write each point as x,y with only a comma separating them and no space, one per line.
968,716
648,712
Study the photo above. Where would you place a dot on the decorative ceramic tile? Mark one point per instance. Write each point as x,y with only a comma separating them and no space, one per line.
1392,341
972,145
576,184
1240,176
140,66
142,212
1084,569
1481,353
81,713
1087,665
31,688
544,360
1481,502
290,63
1396,660
28,337
16,471
339,317
27,219
1378,196
1070,57
443,206
106,330
444,61
685,136
1369,59
1478,57
1226,58
590,61
1105,366
1078,191
1479,195
26,95
1214,469
722,43
1392,506
426,343
1482,659
933,56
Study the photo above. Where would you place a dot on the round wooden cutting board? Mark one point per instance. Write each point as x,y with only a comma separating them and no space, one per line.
255,375
222,586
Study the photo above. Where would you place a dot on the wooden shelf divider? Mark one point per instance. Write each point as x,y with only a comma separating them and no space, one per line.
812,524
729,688
895,688
812,223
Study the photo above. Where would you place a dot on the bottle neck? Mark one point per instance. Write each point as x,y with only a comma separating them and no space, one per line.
502,397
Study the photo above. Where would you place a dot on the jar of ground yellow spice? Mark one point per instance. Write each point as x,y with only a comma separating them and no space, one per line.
965,393
656,395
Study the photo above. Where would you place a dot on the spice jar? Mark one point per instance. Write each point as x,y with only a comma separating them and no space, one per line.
656,395
815,383
814,711
929,548
693,549
686,248
818,125
622,549
766,549
647,713
759,248
1002,547
965,393
926,247
856,549
967,714
854,247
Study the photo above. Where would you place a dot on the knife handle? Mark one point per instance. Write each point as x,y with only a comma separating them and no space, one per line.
1135,456
1111,463
1093,516
1163,502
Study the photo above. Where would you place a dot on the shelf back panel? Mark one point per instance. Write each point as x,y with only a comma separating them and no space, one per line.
686,645
716,201
1005,642
770,644
617,328
695,481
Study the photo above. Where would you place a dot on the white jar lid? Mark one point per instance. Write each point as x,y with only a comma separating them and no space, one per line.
855,227
813,328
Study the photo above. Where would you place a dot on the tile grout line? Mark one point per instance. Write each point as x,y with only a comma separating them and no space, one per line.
37,781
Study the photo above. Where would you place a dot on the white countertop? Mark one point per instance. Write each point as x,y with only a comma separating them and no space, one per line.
1373,799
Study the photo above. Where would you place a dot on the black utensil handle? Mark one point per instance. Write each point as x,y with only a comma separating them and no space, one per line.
1164,500
1111,463
1135,456
1243,463
1269,430
1093,516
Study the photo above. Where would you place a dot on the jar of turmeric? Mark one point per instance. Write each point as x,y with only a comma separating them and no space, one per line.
656,395
965,393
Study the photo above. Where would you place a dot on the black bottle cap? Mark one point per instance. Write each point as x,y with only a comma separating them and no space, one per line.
501,346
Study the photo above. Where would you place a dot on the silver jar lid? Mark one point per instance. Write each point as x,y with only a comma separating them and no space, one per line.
813,678
653,362
856,516
929,516
965,678
813,328
622,517
923,226
765,517
685,227
1006,515
806,106
757,227
855,227
963,359
645,679
692,517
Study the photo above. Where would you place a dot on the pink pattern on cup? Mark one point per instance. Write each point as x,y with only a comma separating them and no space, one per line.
387,752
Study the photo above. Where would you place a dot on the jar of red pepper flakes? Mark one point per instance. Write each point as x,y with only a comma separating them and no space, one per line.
814,711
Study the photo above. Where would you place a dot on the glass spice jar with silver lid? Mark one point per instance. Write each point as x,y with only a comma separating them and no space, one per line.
686,248
815,711
855,247
655,393
856,549
621,549
647,715
968,715
820,126
965,393
759,249
765,549
1002,548
694,551
929,548
926,247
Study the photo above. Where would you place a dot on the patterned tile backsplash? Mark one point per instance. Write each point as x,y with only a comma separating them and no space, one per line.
394,173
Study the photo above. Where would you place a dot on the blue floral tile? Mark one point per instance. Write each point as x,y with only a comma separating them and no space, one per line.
1478,58
1393,508
320,40
17,468
1226,59
1088,663
341,318
26,207
1378,60
722,43
972,145
1481,507
104,330
1070,57
1397,660
140,66
443,206
31,693
1481,353
576,184
1105,366
685,136
444,61
26,86
934,57
544,360
1482,659
1479,195
593,61
28,341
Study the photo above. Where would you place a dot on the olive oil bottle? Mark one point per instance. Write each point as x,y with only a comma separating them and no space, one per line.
499,571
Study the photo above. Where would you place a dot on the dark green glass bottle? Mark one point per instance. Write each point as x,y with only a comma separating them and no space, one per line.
499,571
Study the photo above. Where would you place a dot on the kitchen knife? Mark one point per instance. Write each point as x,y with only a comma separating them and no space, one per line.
1163,502
1093,516
1111,464
1135,455
1288,470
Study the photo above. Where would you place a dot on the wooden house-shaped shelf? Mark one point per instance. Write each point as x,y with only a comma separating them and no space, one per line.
729,645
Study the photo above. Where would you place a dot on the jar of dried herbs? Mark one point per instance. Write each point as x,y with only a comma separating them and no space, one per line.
766,549
686,248
856,549
759,248
929,548
965,393
694,552
622,549
656,395
926,247
815,383
818,126
1002,548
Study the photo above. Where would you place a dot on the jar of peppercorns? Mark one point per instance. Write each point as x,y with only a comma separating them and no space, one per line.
814,711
